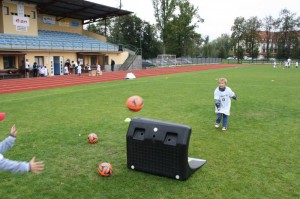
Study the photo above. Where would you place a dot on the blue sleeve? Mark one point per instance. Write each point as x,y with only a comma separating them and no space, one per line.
13,166
7,144
10,165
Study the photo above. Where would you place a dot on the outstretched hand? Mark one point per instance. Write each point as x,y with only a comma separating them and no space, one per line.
13,131
36,167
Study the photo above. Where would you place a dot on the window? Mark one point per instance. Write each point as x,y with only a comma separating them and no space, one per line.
93,60
9,62
5,10
39,60
106,60
32,14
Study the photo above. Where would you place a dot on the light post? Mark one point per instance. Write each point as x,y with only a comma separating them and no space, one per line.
141,45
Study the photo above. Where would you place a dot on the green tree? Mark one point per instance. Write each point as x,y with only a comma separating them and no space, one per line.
164,12
268,28
92,28
252,36
223,46
151,47
207,48
102,27
288,33
237,36
131,32
176,22
181,29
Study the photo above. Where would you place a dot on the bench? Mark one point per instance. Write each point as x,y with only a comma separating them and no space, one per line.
10,74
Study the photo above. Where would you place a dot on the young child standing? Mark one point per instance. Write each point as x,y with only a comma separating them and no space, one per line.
274,64
79,70
66,70
99,72
222,97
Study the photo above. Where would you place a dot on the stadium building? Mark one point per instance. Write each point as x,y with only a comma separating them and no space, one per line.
50,32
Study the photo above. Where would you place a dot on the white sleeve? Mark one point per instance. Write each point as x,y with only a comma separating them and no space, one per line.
230,92
216,94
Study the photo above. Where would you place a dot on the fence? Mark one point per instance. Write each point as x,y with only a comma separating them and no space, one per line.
182,61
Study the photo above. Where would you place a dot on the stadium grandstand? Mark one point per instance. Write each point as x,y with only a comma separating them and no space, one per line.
50,32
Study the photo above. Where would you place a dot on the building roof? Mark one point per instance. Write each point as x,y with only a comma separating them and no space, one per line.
79,9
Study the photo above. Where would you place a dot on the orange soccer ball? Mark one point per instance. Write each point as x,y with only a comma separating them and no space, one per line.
135,103
105,169
92,138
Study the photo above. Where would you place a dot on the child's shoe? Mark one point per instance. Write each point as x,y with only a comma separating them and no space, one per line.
224,129
217,125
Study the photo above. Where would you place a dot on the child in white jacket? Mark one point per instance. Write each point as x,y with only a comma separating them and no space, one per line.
16,166
222,95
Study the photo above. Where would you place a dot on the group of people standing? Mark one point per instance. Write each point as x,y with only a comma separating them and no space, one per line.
287,64
75,65
37,70
78,68
42,71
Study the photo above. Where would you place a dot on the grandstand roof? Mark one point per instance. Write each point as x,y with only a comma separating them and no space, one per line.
79,9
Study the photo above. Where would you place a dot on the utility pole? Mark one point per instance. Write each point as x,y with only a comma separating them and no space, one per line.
141,45
120,7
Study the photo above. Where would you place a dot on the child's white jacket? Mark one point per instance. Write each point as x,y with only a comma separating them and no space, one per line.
225,100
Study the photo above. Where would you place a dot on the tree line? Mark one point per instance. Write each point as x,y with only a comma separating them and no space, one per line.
175,33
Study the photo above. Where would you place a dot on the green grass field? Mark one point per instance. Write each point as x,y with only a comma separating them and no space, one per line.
258,157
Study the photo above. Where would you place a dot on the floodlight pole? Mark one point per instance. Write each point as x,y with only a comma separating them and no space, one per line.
141,45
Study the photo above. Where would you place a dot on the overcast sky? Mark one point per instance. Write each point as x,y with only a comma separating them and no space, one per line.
219,15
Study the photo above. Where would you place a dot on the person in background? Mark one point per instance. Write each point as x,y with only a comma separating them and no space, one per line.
16,166
88,67
79,70
99,72
35,69
46,71
27,68
68,64
66,70
274,64
75,66
112,65
289,62
42,71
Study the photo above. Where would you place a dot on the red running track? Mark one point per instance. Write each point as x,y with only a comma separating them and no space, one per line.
28,84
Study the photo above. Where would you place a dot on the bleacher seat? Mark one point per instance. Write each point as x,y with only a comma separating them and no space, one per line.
56,40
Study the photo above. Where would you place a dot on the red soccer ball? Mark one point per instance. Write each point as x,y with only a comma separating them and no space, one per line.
2,116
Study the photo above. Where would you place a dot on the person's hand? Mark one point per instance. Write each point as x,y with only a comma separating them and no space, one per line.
13,131
36,167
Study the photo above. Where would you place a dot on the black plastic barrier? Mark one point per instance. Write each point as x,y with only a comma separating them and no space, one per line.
160,148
